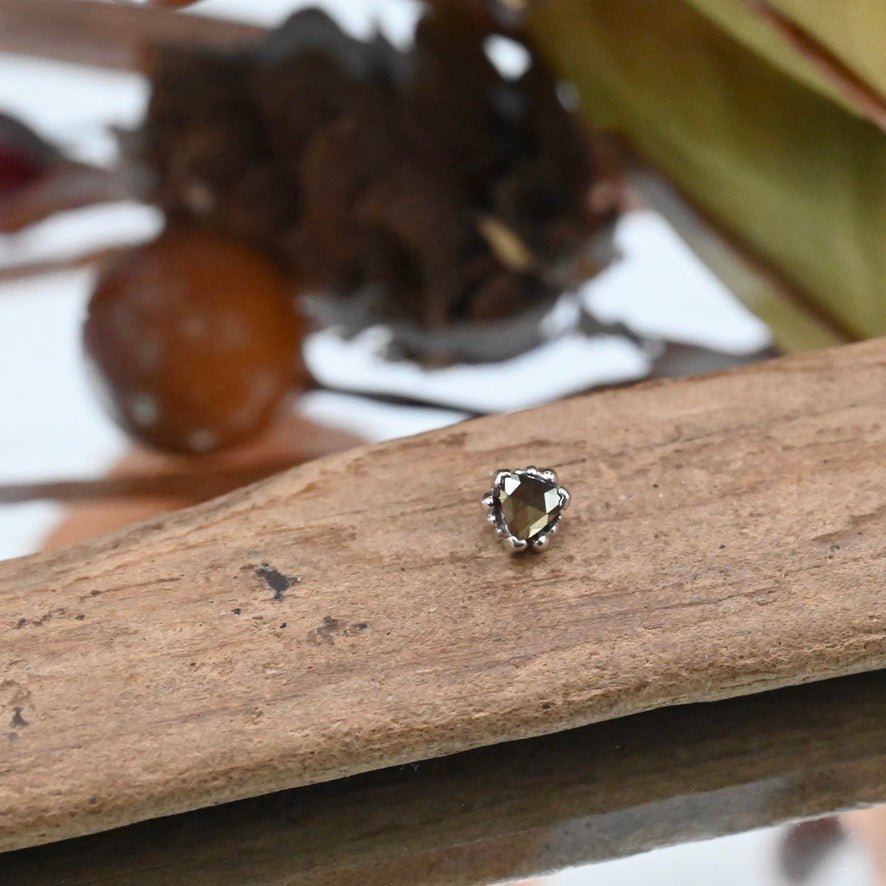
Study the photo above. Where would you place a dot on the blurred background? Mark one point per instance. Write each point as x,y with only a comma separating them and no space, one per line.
239,236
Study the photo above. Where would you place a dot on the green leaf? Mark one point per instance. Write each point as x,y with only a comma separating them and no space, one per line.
854,30
791,174
848,34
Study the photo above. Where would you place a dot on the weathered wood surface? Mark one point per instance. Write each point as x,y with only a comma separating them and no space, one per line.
728,535
520,808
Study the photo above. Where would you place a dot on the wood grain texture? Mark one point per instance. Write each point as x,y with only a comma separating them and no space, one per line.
728,535
517,809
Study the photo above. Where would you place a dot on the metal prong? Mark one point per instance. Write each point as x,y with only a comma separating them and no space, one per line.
488,500
541,542
550,474
500,475
565,498
517,544
492,518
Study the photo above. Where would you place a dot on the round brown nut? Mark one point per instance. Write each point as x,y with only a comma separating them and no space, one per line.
195,339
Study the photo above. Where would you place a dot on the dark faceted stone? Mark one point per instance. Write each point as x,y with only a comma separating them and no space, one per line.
529,505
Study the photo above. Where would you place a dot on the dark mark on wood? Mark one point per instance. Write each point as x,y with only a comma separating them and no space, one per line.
324,633
237,611
36,622
276,580
18,721
333,626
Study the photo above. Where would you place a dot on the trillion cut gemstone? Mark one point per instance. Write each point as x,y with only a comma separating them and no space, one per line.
529,505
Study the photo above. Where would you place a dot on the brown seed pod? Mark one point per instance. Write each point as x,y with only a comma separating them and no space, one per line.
450,190
195,340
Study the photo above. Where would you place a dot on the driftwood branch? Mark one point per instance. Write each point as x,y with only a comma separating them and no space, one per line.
726,536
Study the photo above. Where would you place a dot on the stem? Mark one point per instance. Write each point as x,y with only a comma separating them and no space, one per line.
107,35
195,485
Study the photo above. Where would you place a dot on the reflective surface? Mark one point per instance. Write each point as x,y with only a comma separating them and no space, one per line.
632,798
815,853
